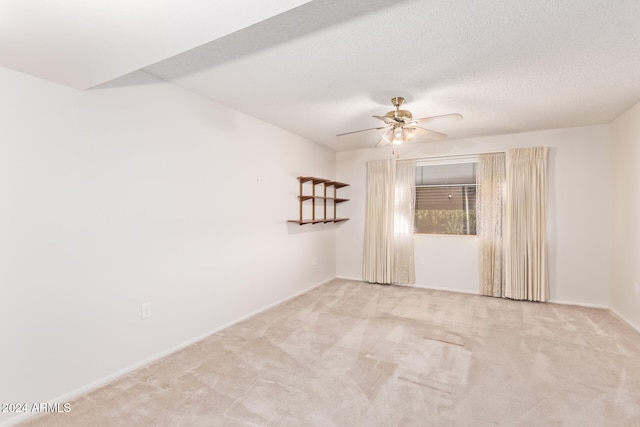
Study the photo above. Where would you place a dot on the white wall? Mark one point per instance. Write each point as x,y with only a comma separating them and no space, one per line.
625,202
578,214
139,191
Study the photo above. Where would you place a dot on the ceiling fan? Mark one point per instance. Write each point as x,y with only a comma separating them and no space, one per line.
402,127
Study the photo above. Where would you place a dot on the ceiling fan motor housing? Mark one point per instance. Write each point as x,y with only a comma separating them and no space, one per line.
403,115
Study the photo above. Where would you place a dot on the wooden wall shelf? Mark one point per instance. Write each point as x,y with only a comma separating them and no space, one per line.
319,200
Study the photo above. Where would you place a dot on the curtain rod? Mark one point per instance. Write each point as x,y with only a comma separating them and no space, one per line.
453,156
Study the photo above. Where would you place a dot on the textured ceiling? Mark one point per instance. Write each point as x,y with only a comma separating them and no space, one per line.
324,67
507,66
84,43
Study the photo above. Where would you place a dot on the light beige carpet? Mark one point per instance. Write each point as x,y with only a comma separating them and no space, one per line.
354,354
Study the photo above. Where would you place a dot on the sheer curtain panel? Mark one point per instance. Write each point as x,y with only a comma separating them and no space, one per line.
405,195
388,239
378,228
525,216
490,181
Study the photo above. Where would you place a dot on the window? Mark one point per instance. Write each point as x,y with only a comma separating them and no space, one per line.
446,198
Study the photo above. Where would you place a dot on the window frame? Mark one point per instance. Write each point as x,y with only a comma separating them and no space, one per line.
443,161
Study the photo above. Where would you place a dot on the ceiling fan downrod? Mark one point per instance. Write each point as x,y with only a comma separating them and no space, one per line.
397,102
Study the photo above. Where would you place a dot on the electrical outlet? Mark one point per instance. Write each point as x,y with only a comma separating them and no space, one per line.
147,310
637,286
421,261
314,261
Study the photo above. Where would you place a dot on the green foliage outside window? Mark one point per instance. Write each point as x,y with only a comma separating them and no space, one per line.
445,221
445,200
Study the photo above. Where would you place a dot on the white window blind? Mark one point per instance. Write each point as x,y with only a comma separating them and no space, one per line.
446,198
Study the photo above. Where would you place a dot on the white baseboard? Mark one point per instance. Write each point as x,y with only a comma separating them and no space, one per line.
624,319
353,279
112,377
579,304
464,291
436,288
359,279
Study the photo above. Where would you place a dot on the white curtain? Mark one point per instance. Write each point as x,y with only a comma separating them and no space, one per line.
378,226
525,250
388,241
490,181
405,195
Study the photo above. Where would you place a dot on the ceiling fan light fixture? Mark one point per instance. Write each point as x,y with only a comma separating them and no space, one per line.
401,135
397,133
408,135
388,135
397,136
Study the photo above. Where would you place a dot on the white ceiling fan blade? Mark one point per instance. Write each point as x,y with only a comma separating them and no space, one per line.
382,143
454,116
428,132
362,130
